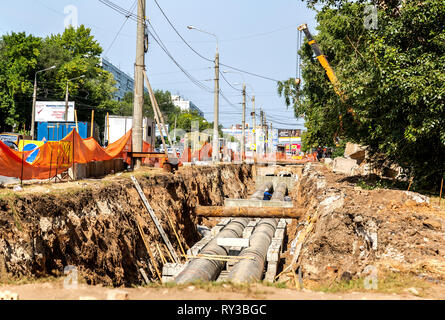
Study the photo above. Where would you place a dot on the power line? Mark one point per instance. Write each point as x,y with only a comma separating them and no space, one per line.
251,73
164,48
171,72
121,10
122,26
180,36
222,75
158,40
200,55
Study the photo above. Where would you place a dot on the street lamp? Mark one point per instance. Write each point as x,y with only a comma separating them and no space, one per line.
215,148
66,95
34,98
197,29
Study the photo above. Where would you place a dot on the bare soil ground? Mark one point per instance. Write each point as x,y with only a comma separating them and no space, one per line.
91,224
51,290
88,224
394,234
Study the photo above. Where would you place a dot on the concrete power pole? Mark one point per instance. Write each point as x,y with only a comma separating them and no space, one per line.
266,137
139,83
243,140
271,138
215,148
33,115
254,125
262,130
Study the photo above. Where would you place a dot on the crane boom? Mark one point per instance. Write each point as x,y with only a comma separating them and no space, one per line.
322,59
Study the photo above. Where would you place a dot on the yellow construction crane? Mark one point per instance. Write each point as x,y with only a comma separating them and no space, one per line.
329,71
322,59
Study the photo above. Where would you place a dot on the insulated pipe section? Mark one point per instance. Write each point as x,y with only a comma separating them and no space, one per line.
250,270
206,269
259,193
209,270
279,192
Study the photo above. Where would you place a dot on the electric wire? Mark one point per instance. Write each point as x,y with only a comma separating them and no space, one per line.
122,26
164,48
180,36
222,75
157,39
200,55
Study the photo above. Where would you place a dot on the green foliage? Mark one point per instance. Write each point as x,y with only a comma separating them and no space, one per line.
18,59
75,53
392,78
339,149
170,112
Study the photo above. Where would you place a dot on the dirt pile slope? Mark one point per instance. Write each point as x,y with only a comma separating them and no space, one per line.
93,228
350,232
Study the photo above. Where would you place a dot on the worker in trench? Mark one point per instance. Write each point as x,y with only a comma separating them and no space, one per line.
267,195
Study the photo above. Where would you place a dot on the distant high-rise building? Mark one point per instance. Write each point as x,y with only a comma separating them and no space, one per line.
186,105
124,83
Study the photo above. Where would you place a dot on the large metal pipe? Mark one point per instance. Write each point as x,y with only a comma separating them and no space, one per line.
279,192
259,193
251,270
209,270
252,212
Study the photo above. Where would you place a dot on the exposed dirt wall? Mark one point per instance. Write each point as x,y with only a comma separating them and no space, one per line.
94,229
352,232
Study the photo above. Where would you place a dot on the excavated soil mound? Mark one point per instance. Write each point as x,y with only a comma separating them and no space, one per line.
351,232
93,227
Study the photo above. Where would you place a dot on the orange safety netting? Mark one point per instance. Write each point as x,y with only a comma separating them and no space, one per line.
58,156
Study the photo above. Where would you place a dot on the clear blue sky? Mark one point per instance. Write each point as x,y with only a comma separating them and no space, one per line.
254,35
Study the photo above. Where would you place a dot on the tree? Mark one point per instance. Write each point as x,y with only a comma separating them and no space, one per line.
18,59
392,78
76,53
163,98
168,109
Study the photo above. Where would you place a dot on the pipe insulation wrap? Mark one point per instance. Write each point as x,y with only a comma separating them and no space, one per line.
251,270
259,193
209,270
206,269
279,192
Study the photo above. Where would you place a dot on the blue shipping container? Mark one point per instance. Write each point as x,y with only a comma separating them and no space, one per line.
56,131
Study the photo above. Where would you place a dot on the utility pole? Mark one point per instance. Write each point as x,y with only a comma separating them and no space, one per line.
66,101
262,130
215,147
243,140
254,125
215,153
174,139
34,99
266,137
271,138
139,83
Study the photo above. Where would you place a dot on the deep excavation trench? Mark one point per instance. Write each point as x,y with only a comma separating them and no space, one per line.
344,233
94,228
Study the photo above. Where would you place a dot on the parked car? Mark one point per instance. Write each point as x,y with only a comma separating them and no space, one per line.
11,144
10,139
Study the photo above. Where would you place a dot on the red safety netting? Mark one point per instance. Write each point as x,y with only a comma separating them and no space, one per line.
58,156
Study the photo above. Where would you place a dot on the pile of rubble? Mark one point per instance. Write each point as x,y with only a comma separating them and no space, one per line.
356,161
